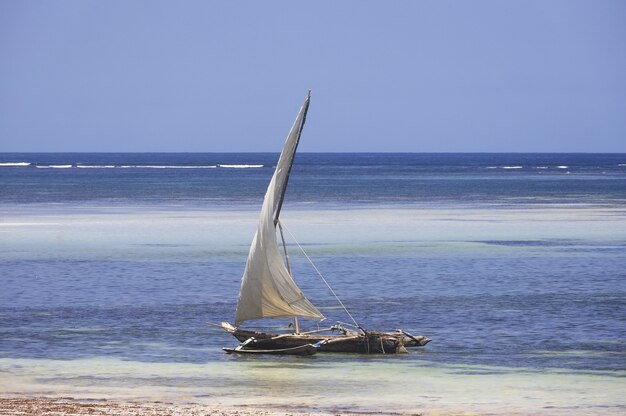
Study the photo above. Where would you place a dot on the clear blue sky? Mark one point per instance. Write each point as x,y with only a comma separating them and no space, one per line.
405,76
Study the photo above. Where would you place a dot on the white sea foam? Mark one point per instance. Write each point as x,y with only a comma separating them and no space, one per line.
14,164
178,167
81,166
512,167
621,164
240,166
128,166
167,166
542,167
562,167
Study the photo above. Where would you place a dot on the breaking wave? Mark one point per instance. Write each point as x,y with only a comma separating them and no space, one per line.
167,166
240,166
14,164
84,166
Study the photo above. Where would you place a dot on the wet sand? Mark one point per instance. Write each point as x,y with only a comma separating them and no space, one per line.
41,406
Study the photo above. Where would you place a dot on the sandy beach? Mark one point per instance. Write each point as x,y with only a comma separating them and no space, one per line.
42,406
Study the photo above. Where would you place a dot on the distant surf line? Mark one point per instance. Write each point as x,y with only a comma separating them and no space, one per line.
84,166
536,167
14,164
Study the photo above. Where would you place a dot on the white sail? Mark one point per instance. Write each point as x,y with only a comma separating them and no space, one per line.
267,289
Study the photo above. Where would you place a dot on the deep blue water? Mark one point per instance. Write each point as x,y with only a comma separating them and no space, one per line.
335,179
553,299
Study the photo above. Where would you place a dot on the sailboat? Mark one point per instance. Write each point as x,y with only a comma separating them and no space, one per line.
269,291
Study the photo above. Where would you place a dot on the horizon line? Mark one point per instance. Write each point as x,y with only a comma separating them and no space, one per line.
302,152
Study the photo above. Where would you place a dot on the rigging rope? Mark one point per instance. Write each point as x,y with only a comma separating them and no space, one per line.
322,277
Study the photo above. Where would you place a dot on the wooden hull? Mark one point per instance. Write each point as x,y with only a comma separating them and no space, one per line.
306,349
374,343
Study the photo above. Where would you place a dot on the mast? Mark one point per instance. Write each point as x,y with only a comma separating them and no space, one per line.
305,110
296,323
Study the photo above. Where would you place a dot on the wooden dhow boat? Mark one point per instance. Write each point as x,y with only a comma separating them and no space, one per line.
269,291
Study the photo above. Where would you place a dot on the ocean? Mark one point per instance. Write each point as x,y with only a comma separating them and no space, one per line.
513,264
